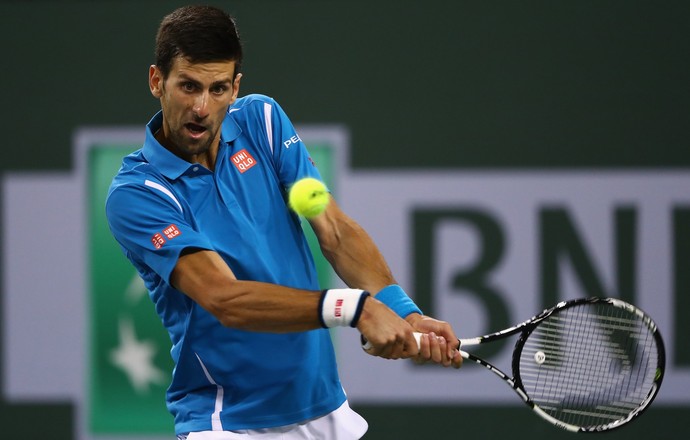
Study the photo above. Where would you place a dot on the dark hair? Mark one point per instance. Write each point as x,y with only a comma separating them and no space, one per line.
199,34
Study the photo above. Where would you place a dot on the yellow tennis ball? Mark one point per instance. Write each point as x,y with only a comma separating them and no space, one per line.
308,197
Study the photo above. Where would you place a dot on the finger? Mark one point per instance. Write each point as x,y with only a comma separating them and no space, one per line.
411,345
446,353
395,349
424,349
443,351
453,349
399,351
456,360
379,349
449,350
424,346
437,348
434,348
385,351
370,349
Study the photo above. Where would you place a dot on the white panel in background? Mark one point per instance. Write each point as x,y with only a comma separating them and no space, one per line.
44,311
383,202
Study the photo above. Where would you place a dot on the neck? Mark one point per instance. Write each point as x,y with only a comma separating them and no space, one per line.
205,157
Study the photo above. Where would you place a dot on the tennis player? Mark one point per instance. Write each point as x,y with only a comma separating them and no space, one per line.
200,212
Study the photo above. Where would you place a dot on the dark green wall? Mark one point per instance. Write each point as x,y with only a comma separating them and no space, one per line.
435,83
479,84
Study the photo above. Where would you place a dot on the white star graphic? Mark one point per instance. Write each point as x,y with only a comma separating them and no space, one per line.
135,358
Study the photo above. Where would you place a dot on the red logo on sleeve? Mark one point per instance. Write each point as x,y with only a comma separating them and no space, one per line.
171,232
157,240
243,160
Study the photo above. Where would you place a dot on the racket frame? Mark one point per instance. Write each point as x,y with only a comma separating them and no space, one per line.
526,328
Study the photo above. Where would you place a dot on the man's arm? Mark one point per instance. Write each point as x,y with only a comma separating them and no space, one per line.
350,250
249,305
359,263
205,277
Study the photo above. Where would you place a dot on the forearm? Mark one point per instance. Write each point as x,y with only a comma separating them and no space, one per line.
265,307
351,252
246,305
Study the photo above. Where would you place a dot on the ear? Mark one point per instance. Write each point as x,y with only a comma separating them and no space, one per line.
155,81
236,86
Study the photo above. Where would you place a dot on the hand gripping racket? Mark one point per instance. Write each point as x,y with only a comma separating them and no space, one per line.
586,365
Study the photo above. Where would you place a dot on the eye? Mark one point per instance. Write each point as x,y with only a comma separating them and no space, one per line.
218,90
188,86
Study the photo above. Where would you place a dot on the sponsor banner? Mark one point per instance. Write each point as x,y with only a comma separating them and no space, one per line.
486,250
480,249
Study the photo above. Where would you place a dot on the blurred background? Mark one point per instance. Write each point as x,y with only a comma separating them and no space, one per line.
539,145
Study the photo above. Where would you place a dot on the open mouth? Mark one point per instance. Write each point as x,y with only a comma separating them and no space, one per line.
195,129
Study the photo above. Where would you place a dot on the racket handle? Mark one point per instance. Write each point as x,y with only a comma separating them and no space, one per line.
418,338
366,345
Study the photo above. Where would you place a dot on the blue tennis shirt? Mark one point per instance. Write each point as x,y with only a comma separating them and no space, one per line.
160,204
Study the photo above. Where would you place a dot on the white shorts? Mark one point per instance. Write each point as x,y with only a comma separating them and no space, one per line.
341,424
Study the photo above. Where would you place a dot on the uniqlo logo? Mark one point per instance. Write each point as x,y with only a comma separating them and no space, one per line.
157,240
243,160
171,232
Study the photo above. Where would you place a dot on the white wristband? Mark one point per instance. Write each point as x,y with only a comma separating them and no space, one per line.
341,307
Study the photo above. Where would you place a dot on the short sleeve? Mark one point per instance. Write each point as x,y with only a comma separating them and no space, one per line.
293,161
151,226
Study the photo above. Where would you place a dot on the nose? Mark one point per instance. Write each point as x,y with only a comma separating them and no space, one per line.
200,107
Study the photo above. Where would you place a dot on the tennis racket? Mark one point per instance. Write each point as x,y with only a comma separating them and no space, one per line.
586,365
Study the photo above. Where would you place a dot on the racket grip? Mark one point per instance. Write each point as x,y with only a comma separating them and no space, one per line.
366,345
418,338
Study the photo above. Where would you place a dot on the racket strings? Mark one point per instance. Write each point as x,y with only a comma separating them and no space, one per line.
589,365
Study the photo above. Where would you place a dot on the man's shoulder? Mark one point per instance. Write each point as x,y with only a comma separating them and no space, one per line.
252,100
250,105
135,164
135,171
135,187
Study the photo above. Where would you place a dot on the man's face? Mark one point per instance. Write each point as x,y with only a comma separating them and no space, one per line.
194,99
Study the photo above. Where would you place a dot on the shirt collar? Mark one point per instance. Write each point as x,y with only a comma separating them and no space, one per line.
157,155
230,131
168,163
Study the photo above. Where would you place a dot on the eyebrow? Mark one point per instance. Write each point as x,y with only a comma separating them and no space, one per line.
186,78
